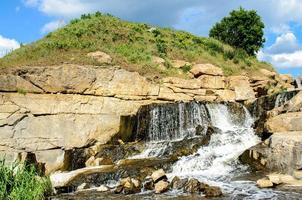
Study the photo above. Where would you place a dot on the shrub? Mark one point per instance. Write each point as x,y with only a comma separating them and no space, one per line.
21,182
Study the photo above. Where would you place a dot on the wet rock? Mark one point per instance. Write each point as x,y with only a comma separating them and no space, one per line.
178,183
295,104
83,186
212,191
128,186
92,161
161,186
264,183
192,186
158,175
102,188
203,187
63,179
118,189
148,184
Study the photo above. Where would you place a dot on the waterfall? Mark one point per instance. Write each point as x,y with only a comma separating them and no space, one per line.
170,122
215,163
298,81
219,159
282,98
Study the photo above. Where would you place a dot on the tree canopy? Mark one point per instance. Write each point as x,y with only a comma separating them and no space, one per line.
242,29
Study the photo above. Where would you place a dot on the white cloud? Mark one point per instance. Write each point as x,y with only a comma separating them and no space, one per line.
286,52
51,26
276,13
288,60
7,45
285,43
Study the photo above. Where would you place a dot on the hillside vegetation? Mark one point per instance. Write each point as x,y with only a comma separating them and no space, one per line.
131,45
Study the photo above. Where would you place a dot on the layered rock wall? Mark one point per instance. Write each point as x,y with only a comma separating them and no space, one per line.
50,110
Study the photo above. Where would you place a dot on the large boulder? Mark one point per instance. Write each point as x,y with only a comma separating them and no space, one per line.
295,104
206,69
242,88
285,122
281,152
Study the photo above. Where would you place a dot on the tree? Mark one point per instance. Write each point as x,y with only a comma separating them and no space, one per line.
242,29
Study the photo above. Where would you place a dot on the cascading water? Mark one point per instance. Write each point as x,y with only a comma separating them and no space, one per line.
219,158
170,123
298,81
216,163
282,98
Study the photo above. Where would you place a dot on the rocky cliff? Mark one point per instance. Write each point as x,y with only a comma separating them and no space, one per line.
49,111
281,150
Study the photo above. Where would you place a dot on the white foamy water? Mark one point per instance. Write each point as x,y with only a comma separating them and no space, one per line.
217,163
219,158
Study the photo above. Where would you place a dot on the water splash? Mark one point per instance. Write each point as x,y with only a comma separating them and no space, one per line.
219,159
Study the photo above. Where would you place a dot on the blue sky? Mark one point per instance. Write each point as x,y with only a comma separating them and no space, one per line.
24,21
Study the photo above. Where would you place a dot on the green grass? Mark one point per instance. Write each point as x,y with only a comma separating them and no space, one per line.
131,45
21,182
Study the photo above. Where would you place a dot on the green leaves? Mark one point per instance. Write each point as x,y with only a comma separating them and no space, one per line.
21,182
242,29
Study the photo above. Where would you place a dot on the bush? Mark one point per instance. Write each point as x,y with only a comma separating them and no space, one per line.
21,182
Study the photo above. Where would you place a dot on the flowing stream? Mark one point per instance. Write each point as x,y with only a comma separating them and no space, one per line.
216,163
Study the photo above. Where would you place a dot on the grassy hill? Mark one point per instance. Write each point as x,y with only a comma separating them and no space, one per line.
131,45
